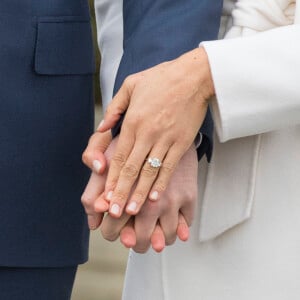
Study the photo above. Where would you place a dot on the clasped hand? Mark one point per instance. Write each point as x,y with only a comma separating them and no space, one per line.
165,107
159,222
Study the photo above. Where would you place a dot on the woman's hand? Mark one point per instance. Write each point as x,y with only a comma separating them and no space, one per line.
166,106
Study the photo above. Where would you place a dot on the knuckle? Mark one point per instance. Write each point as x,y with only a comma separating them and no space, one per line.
149,171
139,196
130,170
109,236
160,186
119,159
184,140
171,197
168,167
119,196
111,184
86,201
86,156
151,132
191,195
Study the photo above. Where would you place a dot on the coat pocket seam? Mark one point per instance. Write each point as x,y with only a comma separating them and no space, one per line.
64,49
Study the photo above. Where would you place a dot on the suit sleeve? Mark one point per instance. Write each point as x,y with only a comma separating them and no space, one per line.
157,31
256,81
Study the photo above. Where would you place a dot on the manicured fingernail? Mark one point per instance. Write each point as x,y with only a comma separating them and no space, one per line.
154,196
100,125
109,196
97,166
132,207
115,209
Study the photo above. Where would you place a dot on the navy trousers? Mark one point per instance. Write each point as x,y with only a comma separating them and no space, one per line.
36,283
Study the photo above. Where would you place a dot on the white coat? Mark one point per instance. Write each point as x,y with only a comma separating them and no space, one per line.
256,77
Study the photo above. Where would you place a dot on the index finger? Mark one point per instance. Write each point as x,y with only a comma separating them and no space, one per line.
117,106
93,156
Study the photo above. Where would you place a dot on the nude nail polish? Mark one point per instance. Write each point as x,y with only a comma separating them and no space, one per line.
109,196
115,209
97,166
132,207
100,125
154,196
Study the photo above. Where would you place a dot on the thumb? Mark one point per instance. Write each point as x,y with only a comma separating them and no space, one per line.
93,156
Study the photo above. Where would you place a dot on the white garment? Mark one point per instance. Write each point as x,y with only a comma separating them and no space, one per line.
109,17
263,107
259,259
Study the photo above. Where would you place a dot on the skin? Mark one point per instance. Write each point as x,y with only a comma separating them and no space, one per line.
159,222
178,92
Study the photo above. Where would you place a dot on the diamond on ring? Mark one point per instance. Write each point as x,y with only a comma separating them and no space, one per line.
154,162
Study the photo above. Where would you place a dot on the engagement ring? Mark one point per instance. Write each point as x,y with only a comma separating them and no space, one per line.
154,162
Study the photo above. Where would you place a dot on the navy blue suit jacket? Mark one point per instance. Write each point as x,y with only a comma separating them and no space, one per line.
157,31
46,118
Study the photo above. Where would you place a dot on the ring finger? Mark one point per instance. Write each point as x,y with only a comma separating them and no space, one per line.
147,176
127,177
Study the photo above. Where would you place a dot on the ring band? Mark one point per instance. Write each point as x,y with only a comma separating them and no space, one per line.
154,162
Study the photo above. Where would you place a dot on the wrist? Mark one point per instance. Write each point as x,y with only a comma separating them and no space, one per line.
197,64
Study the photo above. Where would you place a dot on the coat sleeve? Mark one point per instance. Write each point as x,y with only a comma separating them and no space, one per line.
257,82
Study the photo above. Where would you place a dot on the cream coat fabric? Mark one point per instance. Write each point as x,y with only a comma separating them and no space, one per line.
242,110
109,17
258,259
